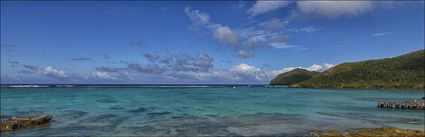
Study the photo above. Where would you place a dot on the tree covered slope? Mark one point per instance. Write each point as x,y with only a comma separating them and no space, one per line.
406,72
293,76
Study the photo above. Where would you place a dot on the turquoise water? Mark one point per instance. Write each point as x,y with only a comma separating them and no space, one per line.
205,111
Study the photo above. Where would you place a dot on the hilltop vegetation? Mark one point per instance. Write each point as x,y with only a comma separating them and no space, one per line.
293,76
406,72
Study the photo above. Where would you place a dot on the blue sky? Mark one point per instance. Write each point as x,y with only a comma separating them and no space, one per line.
197,42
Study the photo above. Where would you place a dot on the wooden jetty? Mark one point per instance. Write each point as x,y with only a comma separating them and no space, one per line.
412,104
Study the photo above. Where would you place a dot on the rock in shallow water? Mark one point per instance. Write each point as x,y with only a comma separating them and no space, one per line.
25,122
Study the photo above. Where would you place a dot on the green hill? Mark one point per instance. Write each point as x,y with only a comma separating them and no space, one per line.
293,76
405,72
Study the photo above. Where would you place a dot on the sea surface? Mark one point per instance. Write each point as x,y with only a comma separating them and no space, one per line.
204,110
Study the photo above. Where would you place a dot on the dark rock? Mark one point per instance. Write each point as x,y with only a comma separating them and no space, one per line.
25,122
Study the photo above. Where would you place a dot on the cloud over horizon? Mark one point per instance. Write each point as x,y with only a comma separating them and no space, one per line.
174,67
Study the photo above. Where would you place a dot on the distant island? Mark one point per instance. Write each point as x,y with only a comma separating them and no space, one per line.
402,72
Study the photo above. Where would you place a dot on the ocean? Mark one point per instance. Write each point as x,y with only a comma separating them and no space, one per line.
211,110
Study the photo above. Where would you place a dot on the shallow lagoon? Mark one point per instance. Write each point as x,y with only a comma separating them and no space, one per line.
205,110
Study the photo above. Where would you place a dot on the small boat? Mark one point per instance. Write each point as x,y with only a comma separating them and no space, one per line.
234,86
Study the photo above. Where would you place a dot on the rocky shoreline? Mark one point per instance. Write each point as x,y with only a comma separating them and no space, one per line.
373,132
15,123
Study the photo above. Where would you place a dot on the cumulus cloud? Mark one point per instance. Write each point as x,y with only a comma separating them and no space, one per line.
226,35
261,7
315,67
334,9
274,24
327,9
244,41
199,19
245,68
247,72
245,53
182,67
50,71
161,66
380,34
102,75
171,67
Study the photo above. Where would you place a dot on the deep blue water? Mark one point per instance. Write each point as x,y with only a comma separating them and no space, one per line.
205,110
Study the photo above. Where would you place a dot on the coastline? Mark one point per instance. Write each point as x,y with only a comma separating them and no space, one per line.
373,132
245,111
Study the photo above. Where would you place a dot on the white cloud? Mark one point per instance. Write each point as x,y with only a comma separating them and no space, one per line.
274,24
315,67
280,45
225,35
261,7
380,34
222,33
306,29
320,67
50,71
334,9
328,66
245,68
248,72
255,38
328,8
245,53
199,19
103,75
243,41
279,38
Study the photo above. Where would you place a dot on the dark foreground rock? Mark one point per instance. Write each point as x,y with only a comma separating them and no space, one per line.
375,132
15,123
